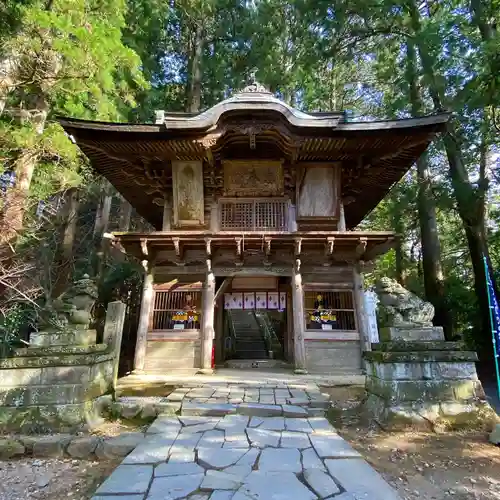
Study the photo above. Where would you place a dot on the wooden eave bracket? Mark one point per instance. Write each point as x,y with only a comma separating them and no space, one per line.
179,254
239,251
361,247
144,248
329,246
267,251
298,247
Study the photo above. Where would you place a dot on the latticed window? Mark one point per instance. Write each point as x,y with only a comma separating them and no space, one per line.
258,214
329,310
176,310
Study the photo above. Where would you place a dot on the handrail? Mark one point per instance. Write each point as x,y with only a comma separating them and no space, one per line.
270,336
232,334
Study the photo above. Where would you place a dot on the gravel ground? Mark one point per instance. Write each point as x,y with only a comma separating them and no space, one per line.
421,465
51,479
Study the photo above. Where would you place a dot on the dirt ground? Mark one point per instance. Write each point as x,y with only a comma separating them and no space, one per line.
462,466
52,479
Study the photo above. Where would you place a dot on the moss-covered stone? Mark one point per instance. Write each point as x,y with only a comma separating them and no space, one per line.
55,350
10,448
398,391
419,356
429,345
59,360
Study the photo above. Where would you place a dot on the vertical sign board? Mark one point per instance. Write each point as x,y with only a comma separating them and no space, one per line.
371,313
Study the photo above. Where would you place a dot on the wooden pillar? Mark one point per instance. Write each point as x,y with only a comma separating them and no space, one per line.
146,304
208,319
361,316
341,224
167,215
298,320
214,217
219,331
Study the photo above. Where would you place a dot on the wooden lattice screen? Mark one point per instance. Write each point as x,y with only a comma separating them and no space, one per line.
181,308
336,311
258,214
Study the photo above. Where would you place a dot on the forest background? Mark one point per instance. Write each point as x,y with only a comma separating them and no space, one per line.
120,60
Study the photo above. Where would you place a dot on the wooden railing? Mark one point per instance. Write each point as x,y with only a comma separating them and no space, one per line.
255,214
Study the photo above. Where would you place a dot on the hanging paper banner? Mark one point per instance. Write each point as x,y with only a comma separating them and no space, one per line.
282,300
261,300
249,301
273,300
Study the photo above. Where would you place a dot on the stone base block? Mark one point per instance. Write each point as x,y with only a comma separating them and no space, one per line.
445,415
403,391
52,393
47,418
445,370
74,337
411,333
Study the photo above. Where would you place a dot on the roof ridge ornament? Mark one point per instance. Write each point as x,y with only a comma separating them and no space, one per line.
254,86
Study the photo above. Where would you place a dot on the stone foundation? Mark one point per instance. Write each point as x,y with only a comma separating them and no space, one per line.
424,382
54,388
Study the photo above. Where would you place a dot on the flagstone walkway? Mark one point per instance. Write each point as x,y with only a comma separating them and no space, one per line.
245,442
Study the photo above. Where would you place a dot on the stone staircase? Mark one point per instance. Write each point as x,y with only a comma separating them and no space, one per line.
250,343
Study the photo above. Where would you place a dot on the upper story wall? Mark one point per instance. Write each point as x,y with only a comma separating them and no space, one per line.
254,195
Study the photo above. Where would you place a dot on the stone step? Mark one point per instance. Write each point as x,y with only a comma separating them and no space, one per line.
246,364
248,409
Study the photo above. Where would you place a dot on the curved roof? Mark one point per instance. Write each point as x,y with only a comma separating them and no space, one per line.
252,98
136,158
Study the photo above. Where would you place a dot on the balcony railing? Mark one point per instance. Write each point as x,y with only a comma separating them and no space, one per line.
256,214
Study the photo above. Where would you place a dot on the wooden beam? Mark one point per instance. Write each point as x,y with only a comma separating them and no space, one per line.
379,249
225,285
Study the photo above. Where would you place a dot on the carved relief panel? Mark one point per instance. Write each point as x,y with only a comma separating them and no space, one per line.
187,179
318,191
253,178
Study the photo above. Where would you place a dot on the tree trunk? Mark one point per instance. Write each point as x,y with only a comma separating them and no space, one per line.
100,227
397,223
470,200
431,248
65,256
125,215
194,95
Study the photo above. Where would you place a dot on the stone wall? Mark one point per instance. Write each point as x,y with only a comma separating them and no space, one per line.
333,357
161,356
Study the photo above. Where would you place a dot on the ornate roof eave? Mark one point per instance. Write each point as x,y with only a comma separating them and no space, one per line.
72,124
251,103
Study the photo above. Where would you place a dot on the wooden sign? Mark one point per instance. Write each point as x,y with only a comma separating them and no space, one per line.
253,178
187,179
318,189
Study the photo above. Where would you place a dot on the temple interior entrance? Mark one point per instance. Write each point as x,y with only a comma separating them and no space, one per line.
254,319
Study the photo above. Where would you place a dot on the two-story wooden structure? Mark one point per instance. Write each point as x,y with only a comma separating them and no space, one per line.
255,206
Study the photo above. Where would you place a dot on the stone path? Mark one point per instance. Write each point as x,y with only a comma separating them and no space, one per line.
244,442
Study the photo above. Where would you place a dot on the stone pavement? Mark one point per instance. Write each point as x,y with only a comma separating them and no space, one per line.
245,442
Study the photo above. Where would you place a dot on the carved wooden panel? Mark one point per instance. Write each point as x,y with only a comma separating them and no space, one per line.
188,193
253,178
318,189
